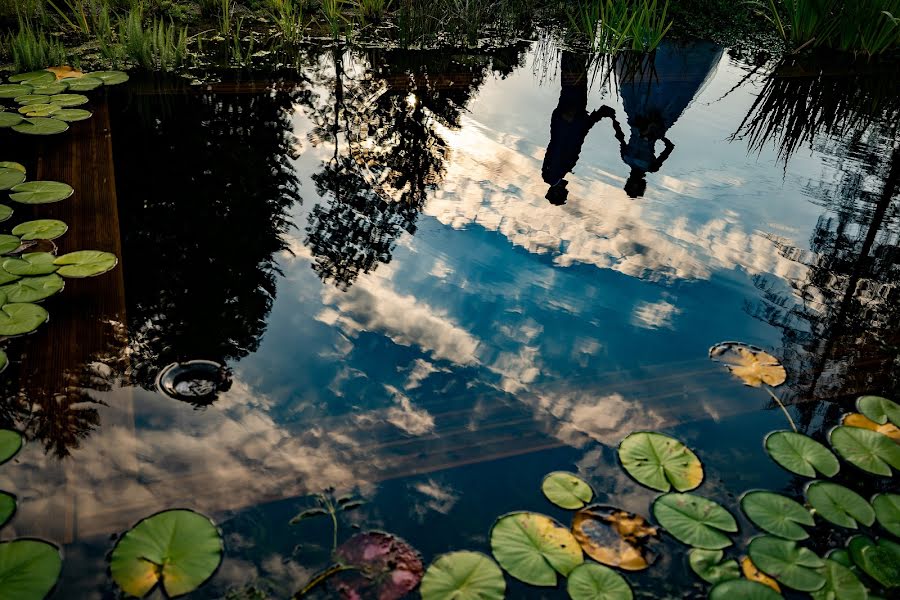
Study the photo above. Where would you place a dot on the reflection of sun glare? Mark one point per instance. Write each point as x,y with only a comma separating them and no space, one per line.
411,100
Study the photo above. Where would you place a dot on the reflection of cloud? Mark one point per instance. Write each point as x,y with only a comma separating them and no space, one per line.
437,498
419,372
405,416
605,419
654,315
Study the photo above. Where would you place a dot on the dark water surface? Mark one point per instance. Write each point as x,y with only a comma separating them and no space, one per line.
410,314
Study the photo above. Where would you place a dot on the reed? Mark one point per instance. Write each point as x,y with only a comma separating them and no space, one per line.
159,46
289,17
32,49
372,11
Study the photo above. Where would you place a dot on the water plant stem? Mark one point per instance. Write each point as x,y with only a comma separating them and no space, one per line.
783,407
321,578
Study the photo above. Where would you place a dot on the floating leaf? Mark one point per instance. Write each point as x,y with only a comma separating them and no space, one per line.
863,422
86,263
387,567
868,450
4,360
742,589
30,99
33,289
840,584
10,444
307,514
85,84
887,512
753,574
34,78
839,505
711,565
8,243
14,90
880,561
591,581
29,569
41,229
533,548
801,454
777,514
566,490
660,462
881,410
790,564
19,319
750,364
41,126
39,110
179,549
68,100
5,212
694,520
8,119
110,77
463,576
41,192
5,278
5,164
51,89
65,72
71,115
32,263
7,508
615,537
10,178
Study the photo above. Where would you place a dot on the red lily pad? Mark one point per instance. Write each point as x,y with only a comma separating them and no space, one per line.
386,567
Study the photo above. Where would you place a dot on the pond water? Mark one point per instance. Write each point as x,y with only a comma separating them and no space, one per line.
415,309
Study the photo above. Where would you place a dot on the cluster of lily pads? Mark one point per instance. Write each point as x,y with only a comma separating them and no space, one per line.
47,100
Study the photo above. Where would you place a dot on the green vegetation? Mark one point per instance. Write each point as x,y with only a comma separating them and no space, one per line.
30,48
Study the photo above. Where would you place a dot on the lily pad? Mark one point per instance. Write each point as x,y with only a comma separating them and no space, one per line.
534,548
10,444
41,126
4,360
742,589
7,507
887,512
84,84
10,178
29,569
694,520
567,490
864,422
660,462
30,264
178,549
711,565
5,212
39,110
41,192
51,89
68,100
34,78
840,584
386,567
5,164
753,574
870,451
463,576
790,564
801,454
6,277
879,560
71,115
839,505
33,289
591,581
8,243
41,229
8,119
777,514
30,99
615,537
109,77
64,72
14,90
750,364
881,410
86,263
21,318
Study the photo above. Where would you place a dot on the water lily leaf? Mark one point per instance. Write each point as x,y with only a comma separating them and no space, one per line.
5,164
71,115
870,451
591,581
839,505
68,100
753,574
840,584
463,576
308,514
33,289
881,410
85,84
38,110
110,77
179,549
29,569
887,512
879,560
29,264
790,564
566,490
65,72
777,514
41,126
801,454
4,359
711,565
14,90
7,507
21,318
387,567
86,263
10,444
615,537
5,278
864,422
8,119
694,520
41,229
660,462
534,548
10,178
41,192
51,89
742,589
5,212
34,78
29,99
750,364
8,243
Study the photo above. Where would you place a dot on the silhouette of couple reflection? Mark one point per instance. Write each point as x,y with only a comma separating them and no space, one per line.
655,91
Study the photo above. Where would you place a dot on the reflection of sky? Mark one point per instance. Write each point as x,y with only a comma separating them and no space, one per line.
504,326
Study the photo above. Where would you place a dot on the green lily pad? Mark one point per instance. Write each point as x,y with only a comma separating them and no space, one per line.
660,462
742,589
41,192
8,119
590,581
4,360
879,560
7,507
39,110
30,99
5,212
801,454
887,512
51,89
33,289
840,584
788,563
30,264
85,263
534,548
881,410
21,318
178,549
567,490
41,229
41,126
34,78
71,115
8,243
68,100
29,569
84,84
463,576
14,90
694,520
839,505
712,567
871,451
10,444
777,514
109,77
6,277
5,164
10,178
